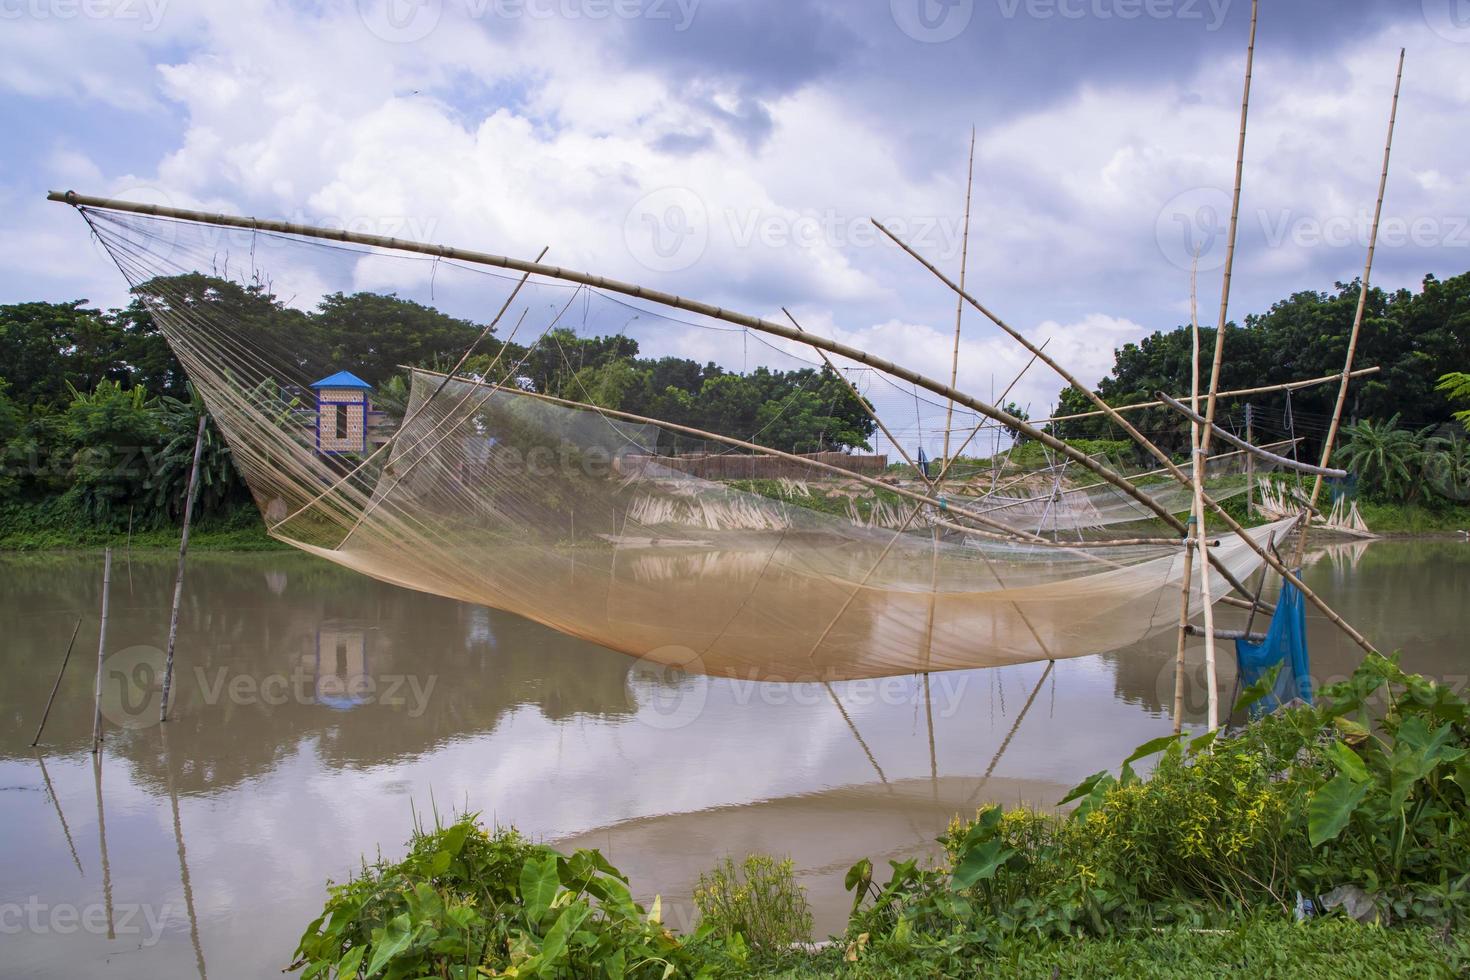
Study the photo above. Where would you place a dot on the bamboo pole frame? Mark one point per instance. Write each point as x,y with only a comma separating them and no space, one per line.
959,306
101,653
1225,434
173,617
1352,349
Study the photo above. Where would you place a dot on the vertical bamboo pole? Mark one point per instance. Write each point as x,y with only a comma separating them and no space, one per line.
101,653
1202,443
959,311
102,844
173,616
1190,544
1250,463
1352,350
55,687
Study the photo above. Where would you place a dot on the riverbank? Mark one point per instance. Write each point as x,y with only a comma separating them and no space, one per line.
50,526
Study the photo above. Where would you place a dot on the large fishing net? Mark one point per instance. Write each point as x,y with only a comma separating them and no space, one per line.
648,537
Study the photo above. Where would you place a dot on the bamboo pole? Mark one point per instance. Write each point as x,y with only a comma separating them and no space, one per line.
1230,522
1245,445
102,844
1203,432
959,307
1352,349
173,616
173,796
638,292
1250,464
1194,514
57,686
1233,393
1197,432
864,403
101,652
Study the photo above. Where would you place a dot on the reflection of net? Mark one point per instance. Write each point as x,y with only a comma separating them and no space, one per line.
553,509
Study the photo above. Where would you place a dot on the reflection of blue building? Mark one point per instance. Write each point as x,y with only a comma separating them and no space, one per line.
341,673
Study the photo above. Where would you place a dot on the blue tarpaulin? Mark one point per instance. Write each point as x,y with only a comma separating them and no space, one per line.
1285,644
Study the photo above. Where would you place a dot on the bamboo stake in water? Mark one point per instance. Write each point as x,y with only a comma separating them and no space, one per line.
1352,350
101,652
173,617
959,311
55,687
1194,434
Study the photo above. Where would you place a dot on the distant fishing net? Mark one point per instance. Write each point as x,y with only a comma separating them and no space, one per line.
589,519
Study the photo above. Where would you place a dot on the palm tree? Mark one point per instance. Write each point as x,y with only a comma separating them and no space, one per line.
1447,465
1387,460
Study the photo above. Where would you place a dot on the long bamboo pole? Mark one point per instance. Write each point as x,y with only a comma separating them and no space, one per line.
1194,514
1174,471
1352,349
101,653
57,686
1197,432
1225,434
638,292
959,306
173,616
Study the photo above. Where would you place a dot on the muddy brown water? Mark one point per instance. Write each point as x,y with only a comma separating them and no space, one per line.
316,711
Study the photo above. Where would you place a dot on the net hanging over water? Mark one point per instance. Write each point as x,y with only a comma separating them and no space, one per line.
478,487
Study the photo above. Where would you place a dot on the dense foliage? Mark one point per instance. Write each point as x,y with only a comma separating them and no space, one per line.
1353,809
1415,338
1358,804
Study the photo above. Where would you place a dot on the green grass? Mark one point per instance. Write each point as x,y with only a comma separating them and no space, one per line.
1440,518
1330,948
47,527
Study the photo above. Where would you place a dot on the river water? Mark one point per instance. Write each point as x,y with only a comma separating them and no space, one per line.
316,711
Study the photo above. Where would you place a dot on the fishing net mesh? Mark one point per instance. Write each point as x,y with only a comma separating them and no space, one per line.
589,519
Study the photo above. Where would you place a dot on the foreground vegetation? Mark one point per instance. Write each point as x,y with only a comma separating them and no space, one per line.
1326,840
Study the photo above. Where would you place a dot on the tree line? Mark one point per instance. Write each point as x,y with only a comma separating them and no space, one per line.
1401,436
97,417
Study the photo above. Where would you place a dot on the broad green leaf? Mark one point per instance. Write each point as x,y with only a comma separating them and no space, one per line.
350,961
1347,761
1084,788
1151,746
538,885
980,864
554,947
1331,806
388,942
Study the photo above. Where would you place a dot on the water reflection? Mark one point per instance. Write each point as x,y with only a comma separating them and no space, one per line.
314,706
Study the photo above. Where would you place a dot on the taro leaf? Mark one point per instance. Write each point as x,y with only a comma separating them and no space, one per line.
1201,742
1151,746
350,961
538,885
555,945
859,877
1331,807
1262,687
392,940
453,839
1348,762
1084,788
439,863
980,864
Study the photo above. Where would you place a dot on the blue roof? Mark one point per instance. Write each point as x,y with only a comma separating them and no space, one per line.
342,379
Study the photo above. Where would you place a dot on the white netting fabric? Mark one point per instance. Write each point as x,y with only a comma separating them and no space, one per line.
577,517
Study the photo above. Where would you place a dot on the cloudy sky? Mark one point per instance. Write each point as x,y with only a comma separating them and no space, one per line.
734,150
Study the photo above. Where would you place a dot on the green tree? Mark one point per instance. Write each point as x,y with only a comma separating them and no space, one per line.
1386,459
